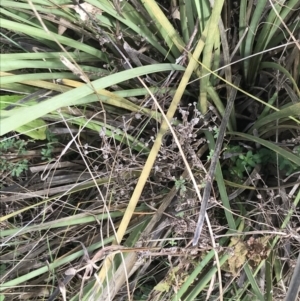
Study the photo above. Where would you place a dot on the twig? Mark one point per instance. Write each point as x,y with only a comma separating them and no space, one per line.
293,290
213,166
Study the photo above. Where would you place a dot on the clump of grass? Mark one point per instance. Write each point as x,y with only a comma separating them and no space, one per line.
132,96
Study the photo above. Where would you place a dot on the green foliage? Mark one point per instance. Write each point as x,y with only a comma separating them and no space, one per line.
173,242
242,162
180,185
211,153
18,148
34,129
154,33
216,131
13,145
47,151
142,292
296,150
267,156
245,163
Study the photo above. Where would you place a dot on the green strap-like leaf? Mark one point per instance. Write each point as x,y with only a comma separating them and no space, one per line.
27,114
288,155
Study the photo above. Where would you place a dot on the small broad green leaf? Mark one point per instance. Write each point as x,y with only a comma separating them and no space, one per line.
162,287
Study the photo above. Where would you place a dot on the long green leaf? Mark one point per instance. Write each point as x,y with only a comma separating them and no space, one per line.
40,33
242,23
203,12
208,52
52,266
25,115
272,65
293,110
36,76
249,41
82,218
221,186
168,32
77,56
204,281
253,283
288,155
10,65
132,19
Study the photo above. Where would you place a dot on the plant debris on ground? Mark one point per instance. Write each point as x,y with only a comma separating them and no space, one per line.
116,117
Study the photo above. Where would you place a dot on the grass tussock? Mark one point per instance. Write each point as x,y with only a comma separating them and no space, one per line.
150,150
